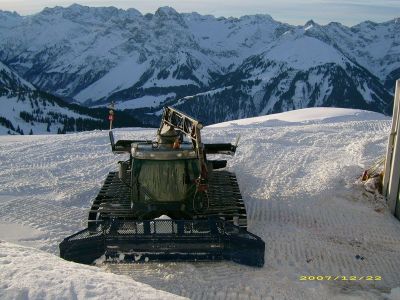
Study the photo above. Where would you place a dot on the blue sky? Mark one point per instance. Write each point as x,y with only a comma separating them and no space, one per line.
348,12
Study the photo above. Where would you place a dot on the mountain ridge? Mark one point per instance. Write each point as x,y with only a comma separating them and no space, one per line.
95,55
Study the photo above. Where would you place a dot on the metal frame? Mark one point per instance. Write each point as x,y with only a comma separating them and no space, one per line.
187,125
391,177
160,240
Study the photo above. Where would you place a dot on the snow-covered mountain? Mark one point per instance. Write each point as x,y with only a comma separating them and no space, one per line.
27,110
236,67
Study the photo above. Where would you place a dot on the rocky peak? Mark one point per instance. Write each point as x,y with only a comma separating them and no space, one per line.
309,24
166,11
258,18
168,14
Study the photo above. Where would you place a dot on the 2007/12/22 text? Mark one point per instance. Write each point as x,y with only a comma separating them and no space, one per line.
341,278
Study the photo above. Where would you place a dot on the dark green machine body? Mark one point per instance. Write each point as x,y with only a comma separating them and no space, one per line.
158,181
166,187
168,201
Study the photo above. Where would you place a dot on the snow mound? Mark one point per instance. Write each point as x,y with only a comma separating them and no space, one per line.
306,116
28,273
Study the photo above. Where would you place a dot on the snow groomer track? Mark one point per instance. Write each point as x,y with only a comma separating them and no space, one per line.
296,172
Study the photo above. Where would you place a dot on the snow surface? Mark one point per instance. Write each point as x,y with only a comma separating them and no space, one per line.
296,176
28,273
20,234
306,115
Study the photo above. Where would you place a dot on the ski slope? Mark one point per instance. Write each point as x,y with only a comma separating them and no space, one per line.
297,173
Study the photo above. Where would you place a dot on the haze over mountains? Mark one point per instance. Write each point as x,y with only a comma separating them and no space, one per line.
216,69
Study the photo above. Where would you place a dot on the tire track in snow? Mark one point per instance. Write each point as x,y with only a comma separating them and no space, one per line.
314,219
54,177
55,220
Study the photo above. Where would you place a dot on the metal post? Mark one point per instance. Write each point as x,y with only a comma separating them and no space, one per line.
391,177
111,114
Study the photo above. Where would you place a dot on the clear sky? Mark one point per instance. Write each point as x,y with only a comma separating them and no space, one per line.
348,12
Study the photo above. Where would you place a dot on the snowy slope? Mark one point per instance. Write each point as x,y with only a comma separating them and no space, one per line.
27,273
12,107
96,55
303,116
303,52
24,109
296,172
27,110
10,79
